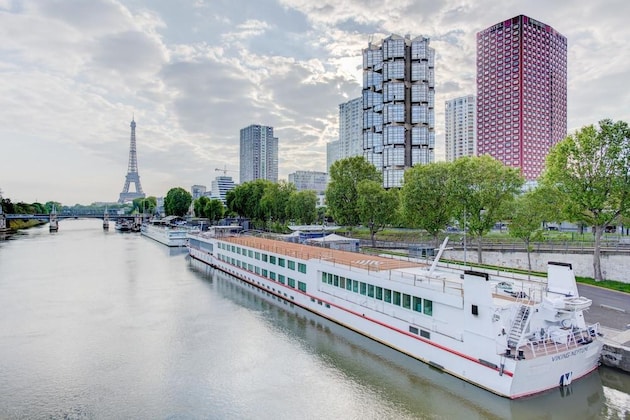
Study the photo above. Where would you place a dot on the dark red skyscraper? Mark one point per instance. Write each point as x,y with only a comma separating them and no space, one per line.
521,92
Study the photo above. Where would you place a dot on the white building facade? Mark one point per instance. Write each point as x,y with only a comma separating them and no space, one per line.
258,154
460,130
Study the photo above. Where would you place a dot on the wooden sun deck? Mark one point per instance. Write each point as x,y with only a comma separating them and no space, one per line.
307,252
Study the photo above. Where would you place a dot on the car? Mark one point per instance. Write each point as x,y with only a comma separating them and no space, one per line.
504,286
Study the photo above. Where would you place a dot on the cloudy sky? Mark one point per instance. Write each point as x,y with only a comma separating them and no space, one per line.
194,72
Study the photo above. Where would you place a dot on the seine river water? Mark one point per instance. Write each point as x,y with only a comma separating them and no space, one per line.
111,325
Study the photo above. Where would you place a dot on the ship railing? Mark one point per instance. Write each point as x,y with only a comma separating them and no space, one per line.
546,343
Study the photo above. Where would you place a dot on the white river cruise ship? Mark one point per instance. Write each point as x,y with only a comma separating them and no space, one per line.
513,338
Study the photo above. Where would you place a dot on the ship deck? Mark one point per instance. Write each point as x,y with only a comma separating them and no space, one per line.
309,252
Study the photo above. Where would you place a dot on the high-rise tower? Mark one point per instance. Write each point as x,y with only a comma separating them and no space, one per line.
258,154
521,92
132,171
459,127
398,105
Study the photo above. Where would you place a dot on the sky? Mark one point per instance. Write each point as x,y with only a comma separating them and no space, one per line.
192,73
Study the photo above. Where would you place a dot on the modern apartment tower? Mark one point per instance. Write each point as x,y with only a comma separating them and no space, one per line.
332,153
351,128
460,127
521,92
258,154
398,105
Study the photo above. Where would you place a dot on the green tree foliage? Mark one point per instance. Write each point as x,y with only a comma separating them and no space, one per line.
302,207
199,205
526,215
589,169
145,205
480,187
376,206
275,200
214,210
341,194
245,200
426,200
177,202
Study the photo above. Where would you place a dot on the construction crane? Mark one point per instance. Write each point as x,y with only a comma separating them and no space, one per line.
225,170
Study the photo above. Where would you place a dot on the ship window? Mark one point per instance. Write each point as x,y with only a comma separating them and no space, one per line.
301,286
342,282
349,285
264,257
406,301
257,255
250,253
417,304
233,247
475,310
363,288
250,267
323,277
265,273
281,278
257,270
291,264
379,293
413,330
272,275
272,259
330,278
388,296
336,280
291,282
370,290
428,307
281,262
425,334
302,268
355,286
397,298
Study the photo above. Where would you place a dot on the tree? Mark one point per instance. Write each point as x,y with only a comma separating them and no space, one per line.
199,206
425,198
214,209
302,207
590,169
177,202
245,199
480,187
376,206
275,200
341,194
527,214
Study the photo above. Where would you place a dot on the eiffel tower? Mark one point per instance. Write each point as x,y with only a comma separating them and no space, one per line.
132,171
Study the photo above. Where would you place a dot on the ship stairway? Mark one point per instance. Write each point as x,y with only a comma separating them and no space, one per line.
519,326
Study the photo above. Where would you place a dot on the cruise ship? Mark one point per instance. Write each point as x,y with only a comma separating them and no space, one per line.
165,232
512,337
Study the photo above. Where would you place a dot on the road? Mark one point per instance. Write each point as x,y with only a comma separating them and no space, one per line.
610,308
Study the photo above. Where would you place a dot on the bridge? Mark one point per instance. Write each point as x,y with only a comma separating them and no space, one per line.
60,216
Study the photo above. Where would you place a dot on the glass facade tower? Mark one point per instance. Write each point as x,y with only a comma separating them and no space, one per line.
398,105
521,92
258,154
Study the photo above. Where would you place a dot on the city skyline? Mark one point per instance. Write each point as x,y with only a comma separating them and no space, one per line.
194,73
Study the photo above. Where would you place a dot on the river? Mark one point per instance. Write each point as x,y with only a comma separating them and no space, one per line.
110,325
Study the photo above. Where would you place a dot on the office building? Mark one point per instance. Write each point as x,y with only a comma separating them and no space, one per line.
309,180
521,92
460,127
258,154
398,105
197,191
220,186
